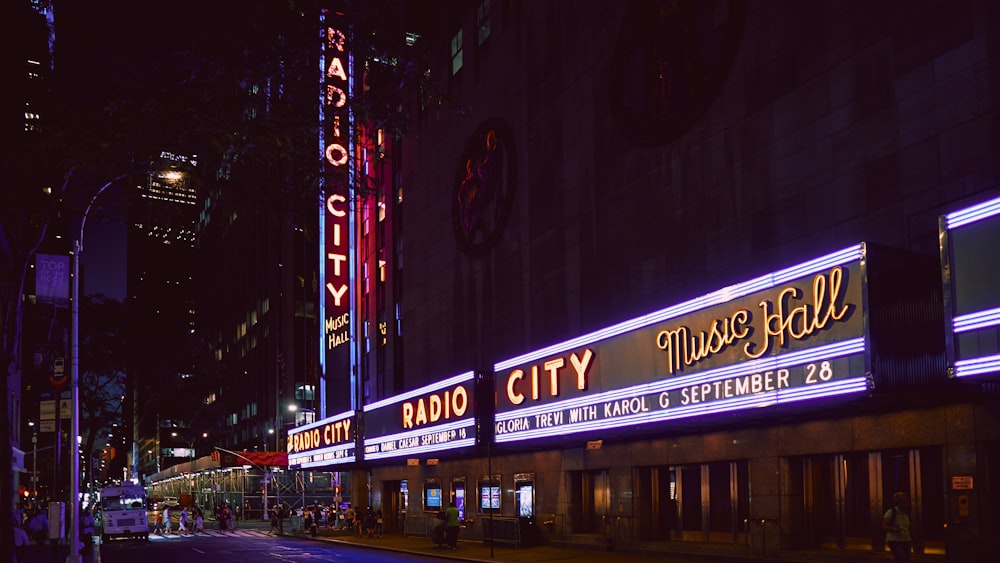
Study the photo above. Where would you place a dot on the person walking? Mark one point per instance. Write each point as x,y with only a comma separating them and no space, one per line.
38,526
166,519
379,520
274,520
86,527
158,524
369,522
452,525
896,523
183,521
21,543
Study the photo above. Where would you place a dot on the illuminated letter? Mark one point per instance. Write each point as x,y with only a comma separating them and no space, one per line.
336,69
459,401
334,39
331,156
332,92
421,412
407,415
513,396
337,293
435,405
581,366
330,201
552,366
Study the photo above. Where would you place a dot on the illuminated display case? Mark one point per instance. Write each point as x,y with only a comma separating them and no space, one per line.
972,290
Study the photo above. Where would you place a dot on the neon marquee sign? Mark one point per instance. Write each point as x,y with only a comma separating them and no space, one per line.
792,335
331,441
336,253
433,418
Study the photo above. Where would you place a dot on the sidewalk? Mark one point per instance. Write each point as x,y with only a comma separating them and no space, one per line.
477,551
664,552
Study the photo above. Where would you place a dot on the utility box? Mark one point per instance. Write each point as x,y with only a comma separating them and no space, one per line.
57,520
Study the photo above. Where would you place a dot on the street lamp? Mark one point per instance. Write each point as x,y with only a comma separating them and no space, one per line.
74,454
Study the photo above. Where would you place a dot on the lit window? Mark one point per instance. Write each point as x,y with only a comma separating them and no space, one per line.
483,20
456,52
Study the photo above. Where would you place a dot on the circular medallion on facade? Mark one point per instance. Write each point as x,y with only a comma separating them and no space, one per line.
670,62
484,188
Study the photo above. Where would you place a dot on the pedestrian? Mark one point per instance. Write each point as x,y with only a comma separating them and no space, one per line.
183,521
282,514
166,518
21,543
379,520
369,522
273,515
896,523
38,526
349,520
452,525
86,527
158,524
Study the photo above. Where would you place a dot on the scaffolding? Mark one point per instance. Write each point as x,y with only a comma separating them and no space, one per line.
207,485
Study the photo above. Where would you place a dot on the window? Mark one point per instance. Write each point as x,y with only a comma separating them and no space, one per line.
483,20
456,52
305,392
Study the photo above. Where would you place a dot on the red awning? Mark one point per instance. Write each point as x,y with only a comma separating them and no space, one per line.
263,459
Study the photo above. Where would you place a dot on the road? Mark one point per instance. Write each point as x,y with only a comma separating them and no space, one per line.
243,546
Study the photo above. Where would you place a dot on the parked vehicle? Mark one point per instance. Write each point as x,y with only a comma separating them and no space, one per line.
123,513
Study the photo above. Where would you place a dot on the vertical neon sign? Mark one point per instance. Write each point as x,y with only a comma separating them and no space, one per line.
337,240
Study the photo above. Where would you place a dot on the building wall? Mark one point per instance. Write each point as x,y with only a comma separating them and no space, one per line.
837,123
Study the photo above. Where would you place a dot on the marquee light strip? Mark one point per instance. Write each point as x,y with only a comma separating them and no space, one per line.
450,382
853,385
327,462
294,458
831,351
972,214
422,449
342,416
718,297
977,366
977,320
422,431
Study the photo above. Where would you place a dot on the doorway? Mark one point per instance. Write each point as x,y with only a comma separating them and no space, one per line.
393,505
591,501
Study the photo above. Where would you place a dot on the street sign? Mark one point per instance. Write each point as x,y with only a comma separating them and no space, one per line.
58,377
47,410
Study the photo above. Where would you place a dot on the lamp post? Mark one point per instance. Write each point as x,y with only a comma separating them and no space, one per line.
34,462
74,454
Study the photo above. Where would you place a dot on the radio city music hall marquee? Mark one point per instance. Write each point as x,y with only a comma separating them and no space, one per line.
789,336
331,441
436,417
336,252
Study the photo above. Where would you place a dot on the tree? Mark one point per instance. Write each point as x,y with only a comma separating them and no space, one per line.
102,379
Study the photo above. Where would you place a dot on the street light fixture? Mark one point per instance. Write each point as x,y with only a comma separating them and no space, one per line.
74,454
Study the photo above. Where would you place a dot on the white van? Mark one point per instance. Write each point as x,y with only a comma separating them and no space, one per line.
123,513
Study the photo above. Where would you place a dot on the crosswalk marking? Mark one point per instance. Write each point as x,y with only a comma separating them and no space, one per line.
211,533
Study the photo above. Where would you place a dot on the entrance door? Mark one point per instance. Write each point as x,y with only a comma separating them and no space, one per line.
391,505
591,501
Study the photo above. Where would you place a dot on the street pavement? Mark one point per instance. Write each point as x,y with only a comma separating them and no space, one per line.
478,551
